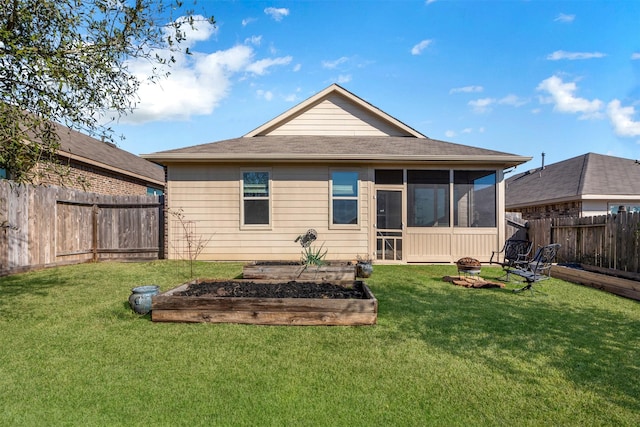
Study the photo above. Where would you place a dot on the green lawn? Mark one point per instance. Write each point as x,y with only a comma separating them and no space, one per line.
72,352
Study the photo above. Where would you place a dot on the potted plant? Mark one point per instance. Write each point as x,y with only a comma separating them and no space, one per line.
364,266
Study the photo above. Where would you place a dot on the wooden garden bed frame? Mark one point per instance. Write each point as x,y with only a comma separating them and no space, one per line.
274,270
596,279
170,307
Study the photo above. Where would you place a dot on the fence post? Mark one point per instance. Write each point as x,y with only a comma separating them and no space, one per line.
94,232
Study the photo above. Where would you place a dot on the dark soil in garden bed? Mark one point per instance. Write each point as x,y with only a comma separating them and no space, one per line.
290,289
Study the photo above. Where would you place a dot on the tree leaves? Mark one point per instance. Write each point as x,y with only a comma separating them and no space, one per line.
66,61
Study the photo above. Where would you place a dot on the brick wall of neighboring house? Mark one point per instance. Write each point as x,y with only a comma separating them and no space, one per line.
96,180
556,210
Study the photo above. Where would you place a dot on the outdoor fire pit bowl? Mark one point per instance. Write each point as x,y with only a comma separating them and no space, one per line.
468,265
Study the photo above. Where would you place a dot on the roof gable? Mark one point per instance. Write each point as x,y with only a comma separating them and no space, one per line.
336,126
335,112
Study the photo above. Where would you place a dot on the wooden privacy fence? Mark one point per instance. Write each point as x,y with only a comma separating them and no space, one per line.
607,241
47,226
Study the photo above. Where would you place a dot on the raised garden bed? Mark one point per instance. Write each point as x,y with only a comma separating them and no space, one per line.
283,270
599,278
267,302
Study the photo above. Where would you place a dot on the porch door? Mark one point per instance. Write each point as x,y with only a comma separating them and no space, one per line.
389,225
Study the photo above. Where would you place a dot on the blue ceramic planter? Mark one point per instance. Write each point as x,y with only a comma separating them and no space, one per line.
140,298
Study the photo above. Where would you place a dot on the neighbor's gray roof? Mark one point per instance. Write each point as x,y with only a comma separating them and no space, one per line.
86,149
335,148
574,179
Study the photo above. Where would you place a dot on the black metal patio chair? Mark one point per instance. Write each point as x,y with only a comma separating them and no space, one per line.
514,252
538,268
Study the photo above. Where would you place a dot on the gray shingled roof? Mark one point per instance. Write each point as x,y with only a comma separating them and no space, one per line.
107,155
354,148
586,175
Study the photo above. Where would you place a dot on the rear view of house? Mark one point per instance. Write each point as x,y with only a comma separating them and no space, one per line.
370,185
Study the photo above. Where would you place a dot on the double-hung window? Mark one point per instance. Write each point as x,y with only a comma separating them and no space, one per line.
344,198
256,198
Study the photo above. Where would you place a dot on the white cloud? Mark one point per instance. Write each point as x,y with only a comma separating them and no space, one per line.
254,40
291,98
482,105
260,67
277,13
200,30
430,1
197,83
562,95
248,21
635,55
333,64
622,119
417,49
297,67
465,131
466,89
343,78
562,17
513,100
265,94
561,54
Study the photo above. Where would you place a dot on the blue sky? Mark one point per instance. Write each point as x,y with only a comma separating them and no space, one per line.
523,77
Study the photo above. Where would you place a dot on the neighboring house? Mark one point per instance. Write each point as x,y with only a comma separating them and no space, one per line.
101,167
587,185
370,186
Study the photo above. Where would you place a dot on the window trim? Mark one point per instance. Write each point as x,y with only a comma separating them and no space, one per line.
357,225
269,225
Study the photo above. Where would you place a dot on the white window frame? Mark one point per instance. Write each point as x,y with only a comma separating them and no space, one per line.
244,226
356,226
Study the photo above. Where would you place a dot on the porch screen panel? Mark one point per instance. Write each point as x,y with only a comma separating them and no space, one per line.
474,198
428,198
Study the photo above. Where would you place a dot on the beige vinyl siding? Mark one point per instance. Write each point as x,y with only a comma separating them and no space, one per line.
210,197
450,244
337,116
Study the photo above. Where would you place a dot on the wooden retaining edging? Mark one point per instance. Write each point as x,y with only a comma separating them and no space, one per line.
273,270
615,285
170,307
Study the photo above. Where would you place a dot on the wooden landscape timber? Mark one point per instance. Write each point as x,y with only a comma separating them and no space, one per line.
273,270
171,307
616,285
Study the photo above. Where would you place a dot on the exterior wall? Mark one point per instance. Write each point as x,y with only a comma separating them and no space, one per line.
336,116
210,197
557,210
595,207
576,209
96,180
